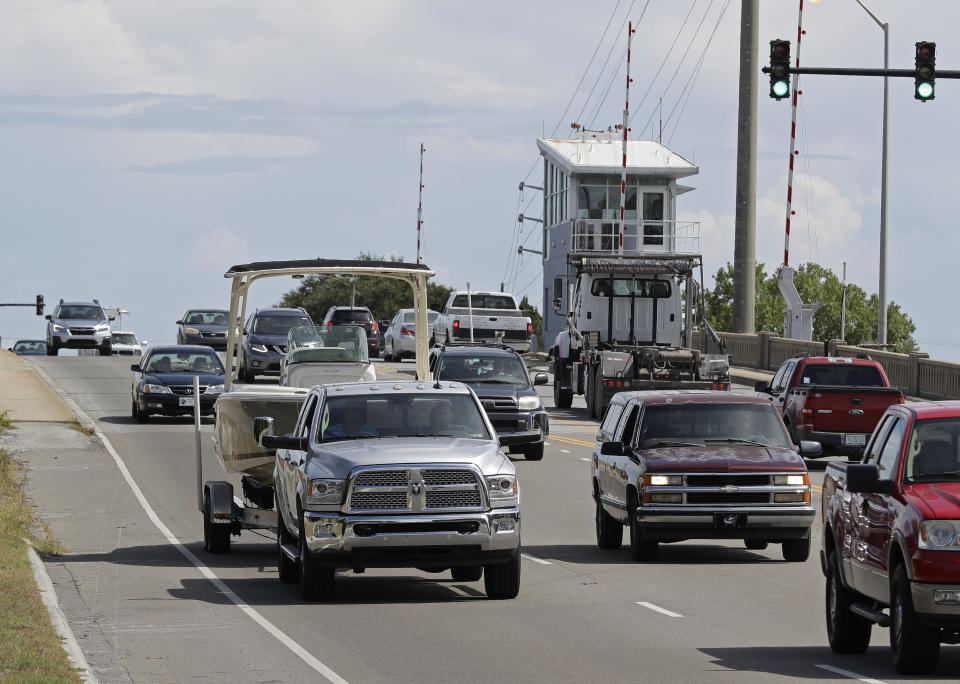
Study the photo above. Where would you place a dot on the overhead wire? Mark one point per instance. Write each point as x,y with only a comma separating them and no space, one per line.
621,65
605,62
660,68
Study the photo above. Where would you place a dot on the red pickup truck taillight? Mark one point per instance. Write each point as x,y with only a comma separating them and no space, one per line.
807,410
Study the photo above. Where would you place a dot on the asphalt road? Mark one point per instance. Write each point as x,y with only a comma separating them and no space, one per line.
704,612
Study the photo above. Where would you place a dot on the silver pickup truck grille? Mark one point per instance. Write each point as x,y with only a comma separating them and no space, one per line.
415,490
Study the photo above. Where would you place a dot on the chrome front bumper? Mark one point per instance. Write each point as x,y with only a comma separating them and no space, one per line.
412,540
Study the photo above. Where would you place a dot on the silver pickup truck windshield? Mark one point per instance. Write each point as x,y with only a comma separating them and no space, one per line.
401,415
712,424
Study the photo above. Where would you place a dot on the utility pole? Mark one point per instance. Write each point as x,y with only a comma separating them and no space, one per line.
745,236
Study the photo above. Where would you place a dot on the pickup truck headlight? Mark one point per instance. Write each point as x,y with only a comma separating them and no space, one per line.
528,403
156,389
504,490
324,492
214,389
940,535
791,480
259,348
663,480
191,331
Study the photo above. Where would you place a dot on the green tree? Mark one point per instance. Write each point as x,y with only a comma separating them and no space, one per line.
383,296
535,318
815,284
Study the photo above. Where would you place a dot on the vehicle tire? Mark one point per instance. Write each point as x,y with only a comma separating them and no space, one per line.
138,415
846,631
467,573
502,581
609,530
316,583
755,544
106,349
588,393
916,649
449,341
387,356
52,350
216,538
533,452
796,550
286,568
562,398
641,549
598,395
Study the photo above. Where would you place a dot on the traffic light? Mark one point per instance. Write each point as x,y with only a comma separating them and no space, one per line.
39,305
779,68
925,71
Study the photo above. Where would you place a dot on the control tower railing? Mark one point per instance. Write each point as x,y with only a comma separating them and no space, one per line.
640,238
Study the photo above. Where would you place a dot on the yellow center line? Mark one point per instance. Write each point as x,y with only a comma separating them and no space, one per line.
577,424
817,488
568,440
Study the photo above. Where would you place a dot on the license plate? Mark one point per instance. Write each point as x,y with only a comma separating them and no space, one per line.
729,521
854,440
186,401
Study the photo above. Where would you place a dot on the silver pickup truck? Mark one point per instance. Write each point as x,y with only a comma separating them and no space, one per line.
478,317
405,474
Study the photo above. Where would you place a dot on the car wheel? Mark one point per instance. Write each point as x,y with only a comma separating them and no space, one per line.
755,544
216,538
386,352
502,581
916,649
846,631
52,350
598,395
286,567
609,530
140,416
316,583
467,573
533,452
796,550
588,392
641,549
106,349
561,398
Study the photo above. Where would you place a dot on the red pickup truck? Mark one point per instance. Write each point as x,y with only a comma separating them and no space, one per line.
836,401
891,537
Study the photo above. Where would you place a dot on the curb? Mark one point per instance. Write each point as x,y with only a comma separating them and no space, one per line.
49,597
85,421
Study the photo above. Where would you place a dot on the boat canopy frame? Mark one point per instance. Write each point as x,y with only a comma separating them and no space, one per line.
244,275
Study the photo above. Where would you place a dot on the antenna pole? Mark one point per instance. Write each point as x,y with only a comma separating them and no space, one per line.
626,120
420,203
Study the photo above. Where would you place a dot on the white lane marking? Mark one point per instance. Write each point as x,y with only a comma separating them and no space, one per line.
584,459
848,673
49,597
547,443
658,609
253,614
536,560
458,591
564,451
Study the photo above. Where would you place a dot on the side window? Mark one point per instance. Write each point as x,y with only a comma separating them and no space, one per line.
785,378
627,426
610,421
775,383
306,416
879,434
889,455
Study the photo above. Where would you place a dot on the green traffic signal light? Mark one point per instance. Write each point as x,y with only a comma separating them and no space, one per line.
925,70
780,88
924,90
779,68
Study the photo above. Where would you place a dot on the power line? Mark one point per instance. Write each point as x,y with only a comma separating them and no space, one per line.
604,67
673,45
616,72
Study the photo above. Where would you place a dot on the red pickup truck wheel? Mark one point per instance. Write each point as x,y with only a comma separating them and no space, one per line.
916,649
846,632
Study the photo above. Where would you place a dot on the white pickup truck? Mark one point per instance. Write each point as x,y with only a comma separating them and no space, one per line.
483,317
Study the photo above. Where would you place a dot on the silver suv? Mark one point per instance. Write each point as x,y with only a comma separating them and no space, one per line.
78,325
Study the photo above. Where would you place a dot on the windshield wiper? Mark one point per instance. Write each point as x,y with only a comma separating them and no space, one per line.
735,440
955,473
667,442
345,437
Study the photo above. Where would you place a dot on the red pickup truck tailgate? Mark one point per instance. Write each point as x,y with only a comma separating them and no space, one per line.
846,409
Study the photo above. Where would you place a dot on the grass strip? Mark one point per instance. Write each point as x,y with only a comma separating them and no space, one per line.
30,649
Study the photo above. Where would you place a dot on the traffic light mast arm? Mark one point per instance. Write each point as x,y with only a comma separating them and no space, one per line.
831,71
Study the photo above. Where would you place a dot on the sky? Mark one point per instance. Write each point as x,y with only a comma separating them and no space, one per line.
148,146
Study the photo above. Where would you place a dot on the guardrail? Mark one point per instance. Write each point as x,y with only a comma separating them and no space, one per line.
915,374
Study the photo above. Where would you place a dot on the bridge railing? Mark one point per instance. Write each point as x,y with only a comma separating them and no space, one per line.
915,374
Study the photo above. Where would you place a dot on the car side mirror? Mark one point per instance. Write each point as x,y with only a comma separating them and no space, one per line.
864,478
136,368
144,343
613,449
541,379
49,317
810,448
111,318
179,322
262,427
761,386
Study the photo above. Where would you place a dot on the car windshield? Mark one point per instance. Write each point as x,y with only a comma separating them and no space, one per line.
308,343
712,424
933,451
841,374
483,368
80,312
206,318
401,415
266,324
124,338
351,315
480,301
30,346
192,362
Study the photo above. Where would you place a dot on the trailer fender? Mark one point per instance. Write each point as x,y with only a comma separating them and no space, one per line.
221,500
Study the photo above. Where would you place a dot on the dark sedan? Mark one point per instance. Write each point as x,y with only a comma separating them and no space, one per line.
204,326
163,381
30,348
